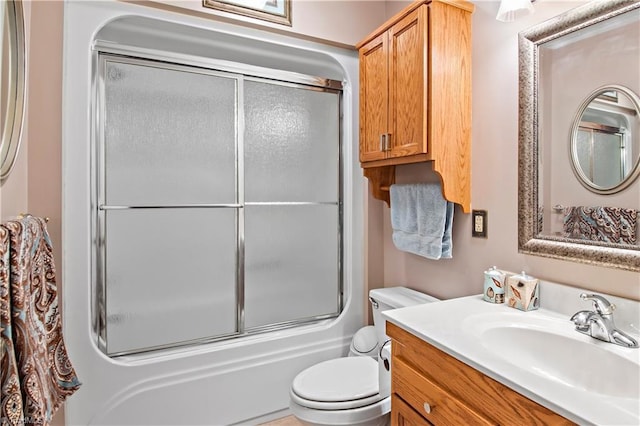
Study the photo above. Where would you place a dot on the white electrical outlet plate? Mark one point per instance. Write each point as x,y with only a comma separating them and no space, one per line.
479,223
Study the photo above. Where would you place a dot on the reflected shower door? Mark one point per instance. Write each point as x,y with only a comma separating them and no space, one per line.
601,156
608,170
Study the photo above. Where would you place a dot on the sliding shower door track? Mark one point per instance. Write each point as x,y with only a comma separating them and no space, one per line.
172,206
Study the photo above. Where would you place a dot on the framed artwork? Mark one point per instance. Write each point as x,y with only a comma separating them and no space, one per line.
278,11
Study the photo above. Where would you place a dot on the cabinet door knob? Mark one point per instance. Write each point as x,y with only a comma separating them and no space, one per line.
427,408
382,142
387,142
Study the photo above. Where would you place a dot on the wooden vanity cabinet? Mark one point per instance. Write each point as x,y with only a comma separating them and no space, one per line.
430,387
415,95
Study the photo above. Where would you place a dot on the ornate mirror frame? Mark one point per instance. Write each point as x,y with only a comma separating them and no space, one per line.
529,240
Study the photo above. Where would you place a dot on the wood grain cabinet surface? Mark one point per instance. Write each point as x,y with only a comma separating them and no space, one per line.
415,95
430,387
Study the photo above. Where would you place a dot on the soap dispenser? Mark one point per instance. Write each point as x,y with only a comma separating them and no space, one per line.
493,285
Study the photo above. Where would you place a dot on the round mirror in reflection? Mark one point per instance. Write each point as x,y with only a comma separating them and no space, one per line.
605,140
12,82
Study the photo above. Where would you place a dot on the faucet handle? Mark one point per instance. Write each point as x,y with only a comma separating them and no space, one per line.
600,304
582,320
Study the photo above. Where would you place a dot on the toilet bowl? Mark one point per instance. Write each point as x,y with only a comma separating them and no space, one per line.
353,390
342,391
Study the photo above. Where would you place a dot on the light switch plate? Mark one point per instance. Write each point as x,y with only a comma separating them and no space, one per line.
479,223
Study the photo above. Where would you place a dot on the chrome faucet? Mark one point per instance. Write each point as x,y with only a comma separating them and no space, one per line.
599,323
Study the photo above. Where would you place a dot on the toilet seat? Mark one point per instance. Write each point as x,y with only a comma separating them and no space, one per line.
337,384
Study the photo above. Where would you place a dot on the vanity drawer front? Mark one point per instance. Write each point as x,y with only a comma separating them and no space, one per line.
429,399
479,392
404,415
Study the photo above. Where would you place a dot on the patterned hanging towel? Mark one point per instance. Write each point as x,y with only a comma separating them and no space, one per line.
37,375
606,224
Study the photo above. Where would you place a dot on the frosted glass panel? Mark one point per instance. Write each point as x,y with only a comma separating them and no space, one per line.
171,276
169,136
607,170
583,150
291,263
291,143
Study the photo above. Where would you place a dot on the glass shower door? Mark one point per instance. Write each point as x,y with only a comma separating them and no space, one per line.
168,210
218,205
292,215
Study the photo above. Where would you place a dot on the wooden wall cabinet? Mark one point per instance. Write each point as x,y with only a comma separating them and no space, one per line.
415,96
430,387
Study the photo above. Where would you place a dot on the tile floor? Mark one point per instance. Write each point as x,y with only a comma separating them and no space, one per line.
285,421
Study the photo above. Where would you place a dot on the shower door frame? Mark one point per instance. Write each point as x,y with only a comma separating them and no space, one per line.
594,129
104,52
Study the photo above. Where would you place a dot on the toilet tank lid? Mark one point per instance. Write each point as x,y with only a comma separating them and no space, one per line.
399,297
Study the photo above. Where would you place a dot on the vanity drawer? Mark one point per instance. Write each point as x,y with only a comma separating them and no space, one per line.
430,400
479,393
404,415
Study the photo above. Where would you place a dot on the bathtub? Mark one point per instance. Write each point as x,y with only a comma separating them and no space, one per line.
240,381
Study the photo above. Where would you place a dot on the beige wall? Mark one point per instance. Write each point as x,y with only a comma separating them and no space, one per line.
45,112
341,22
494,185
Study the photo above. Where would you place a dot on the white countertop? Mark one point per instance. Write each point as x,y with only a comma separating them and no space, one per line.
454,326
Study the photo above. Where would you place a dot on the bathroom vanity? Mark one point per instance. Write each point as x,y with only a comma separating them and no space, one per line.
431,387
466,361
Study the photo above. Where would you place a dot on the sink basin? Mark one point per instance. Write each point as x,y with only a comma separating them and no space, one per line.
538,354
585,365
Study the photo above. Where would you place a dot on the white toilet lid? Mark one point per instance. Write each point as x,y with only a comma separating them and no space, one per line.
341,379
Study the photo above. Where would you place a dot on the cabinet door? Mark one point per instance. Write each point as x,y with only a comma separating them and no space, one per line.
373,98
408,72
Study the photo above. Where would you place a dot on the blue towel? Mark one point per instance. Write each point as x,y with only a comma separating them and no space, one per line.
421,220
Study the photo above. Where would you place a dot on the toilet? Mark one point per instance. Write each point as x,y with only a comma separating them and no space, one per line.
354,390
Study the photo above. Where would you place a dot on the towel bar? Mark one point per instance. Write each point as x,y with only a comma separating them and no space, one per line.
22,215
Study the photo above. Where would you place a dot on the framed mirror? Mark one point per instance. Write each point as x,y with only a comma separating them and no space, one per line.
12,83
578,73
605,140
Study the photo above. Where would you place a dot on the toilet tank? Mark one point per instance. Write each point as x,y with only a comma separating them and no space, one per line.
382,299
